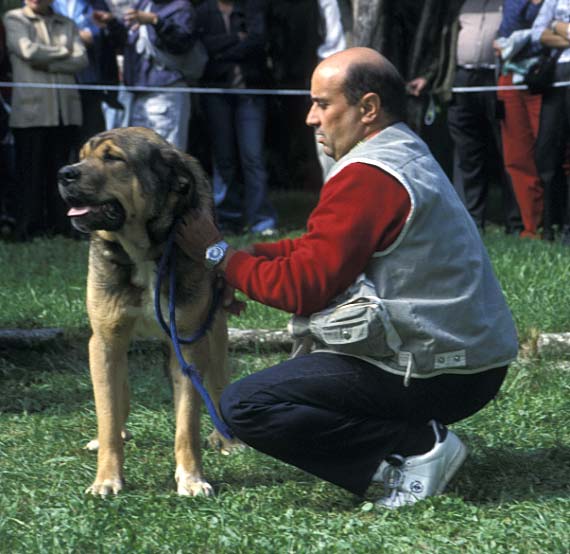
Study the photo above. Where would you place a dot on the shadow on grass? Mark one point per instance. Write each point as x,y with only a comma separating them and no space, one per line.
56,379
498,475
44,379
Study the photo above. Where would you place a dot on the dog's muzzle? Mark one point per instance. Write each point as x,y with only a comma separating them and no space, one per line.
87,211
68,175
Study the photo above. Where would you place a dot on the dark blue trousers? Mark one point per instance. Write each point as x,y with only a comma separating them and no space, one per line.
237,128
338,417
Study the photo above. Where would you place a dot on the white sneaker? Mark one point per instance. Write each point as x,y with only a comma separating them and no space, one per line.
417,477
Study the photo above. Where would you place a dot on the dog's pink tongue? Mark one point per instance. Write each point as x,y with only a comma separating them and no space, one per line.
78,211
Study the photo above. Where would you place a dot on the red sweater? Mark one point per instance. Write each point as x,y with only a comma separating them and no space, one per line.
361,210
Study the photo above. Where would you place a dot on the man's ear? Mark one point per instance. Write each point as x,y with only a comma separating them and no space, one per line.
370,107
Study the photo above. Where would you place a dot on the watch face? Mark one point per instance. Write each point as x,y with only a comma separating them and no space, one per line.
216,253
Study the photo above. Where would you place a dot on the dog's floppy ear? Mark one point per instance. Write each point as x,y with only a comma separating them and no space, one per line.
183,176
178,170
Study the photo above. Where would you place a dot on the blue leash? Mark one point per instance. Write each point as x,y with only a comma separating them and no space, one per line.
168,261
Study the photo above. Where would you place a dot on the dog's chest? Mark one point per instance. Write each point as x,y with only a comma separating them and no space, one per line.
144,279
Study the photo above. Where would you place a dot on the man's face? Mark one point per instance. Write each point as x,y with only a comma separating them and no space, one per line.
338,126
39,6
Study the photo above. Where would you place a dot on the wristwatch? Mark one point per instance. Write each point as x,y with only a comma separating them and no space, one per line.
216,253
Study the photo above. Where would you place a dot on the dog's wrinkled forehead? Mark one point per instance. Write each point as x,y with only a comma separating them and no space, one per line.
99,147
134,144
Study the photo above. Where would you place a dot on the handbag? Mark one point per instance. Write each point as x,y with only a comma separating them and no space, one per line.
540,75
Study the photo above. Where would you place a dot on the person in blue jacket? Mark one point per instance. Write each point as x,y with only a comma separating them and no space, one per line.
170,26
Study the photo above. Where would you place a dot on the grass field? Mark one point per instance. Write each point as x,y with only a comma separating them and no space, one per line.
511,496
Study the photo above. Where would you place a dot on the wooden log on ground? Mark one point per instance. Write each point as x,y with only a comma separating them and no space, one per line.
29,338
241,339
249,339
553,344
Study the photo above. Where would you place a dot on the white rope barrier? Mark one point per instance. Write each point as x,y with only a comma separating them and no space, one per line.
118,88
253,91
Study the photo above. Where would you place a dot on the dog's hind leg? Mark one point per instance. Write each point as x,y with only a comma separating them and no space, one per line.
187,402
109,368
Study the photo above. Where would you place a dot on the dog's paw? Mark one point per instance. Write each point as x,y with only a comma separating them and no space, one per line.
223,445
188,484
106,487
93,445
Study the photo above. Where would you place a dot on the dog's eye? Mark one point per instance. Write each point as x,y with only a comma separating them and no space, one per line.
110,157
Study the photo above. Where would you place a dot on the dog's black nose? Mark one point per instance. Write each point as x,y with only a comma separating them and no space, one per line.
68,174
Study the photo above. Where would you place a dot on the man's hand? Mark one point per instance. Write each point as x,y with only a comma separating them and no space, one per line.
230,303
497,48
86,37
101,18
135,18
416,86
195,233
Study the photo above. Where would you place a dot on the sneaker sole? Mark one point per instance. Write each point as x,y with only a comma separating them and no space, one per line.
454,465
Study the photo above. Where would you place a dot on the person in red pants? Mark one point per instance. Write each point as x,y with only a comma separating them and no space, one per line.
519,126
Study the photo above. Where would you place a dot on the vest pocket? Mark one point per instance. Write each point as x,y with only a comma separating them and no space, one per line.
360,326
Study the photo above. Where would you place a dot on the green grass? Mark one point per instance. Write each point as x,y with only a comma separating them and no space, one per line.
511,496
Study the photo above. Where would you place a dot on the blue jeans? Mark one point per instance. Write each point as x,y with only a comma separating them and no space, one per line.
237,128
167,113
337,417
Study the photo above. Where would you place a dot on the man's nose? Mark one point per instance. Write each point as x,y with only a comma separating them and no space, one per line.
312,120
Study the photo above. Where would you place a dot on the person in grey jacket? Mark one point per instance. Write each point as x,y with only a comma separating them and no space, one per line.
376,411
44,47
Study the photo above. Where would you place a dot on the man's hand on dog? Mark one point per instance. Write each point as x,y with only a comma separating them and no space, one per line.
194,234
230,303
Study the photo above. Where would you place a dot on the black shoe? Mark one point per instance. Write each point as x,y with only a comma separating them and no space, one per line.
513,230
7,227
548,234
565,236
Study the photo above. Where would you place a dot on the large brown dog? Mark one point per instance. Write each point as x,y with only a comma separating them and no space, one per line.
127,191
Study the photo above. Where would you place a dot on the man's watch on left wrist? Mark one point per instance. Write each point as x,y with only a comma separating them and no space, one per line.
215,254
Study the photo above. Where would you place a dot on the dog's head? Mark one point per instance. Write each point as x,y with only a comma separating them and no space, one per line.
131,175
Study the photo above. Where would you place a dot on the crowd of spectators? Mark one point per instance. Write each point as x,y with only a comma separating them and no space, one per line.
495,136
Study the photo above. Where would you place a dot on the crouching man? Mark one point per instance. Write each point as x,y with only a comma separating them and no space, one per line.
386,213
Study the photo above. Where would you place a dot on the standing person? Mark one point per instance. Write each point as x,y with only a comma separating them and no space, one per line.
293,39
102,68
44,47
169,25
333,41
519,127
234,33
472,116
551,28
419,38
389,212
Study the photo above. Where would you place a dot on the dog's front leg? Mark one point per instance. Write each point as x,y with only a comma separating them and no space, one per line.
189,478
218,378
109,366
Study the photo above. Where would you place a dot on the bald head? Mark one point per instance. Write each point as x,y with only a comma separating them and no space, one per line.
359,71
341,60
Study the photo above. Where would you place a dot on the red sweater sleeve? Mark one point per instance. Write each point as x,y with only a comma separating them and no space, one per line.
362,210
